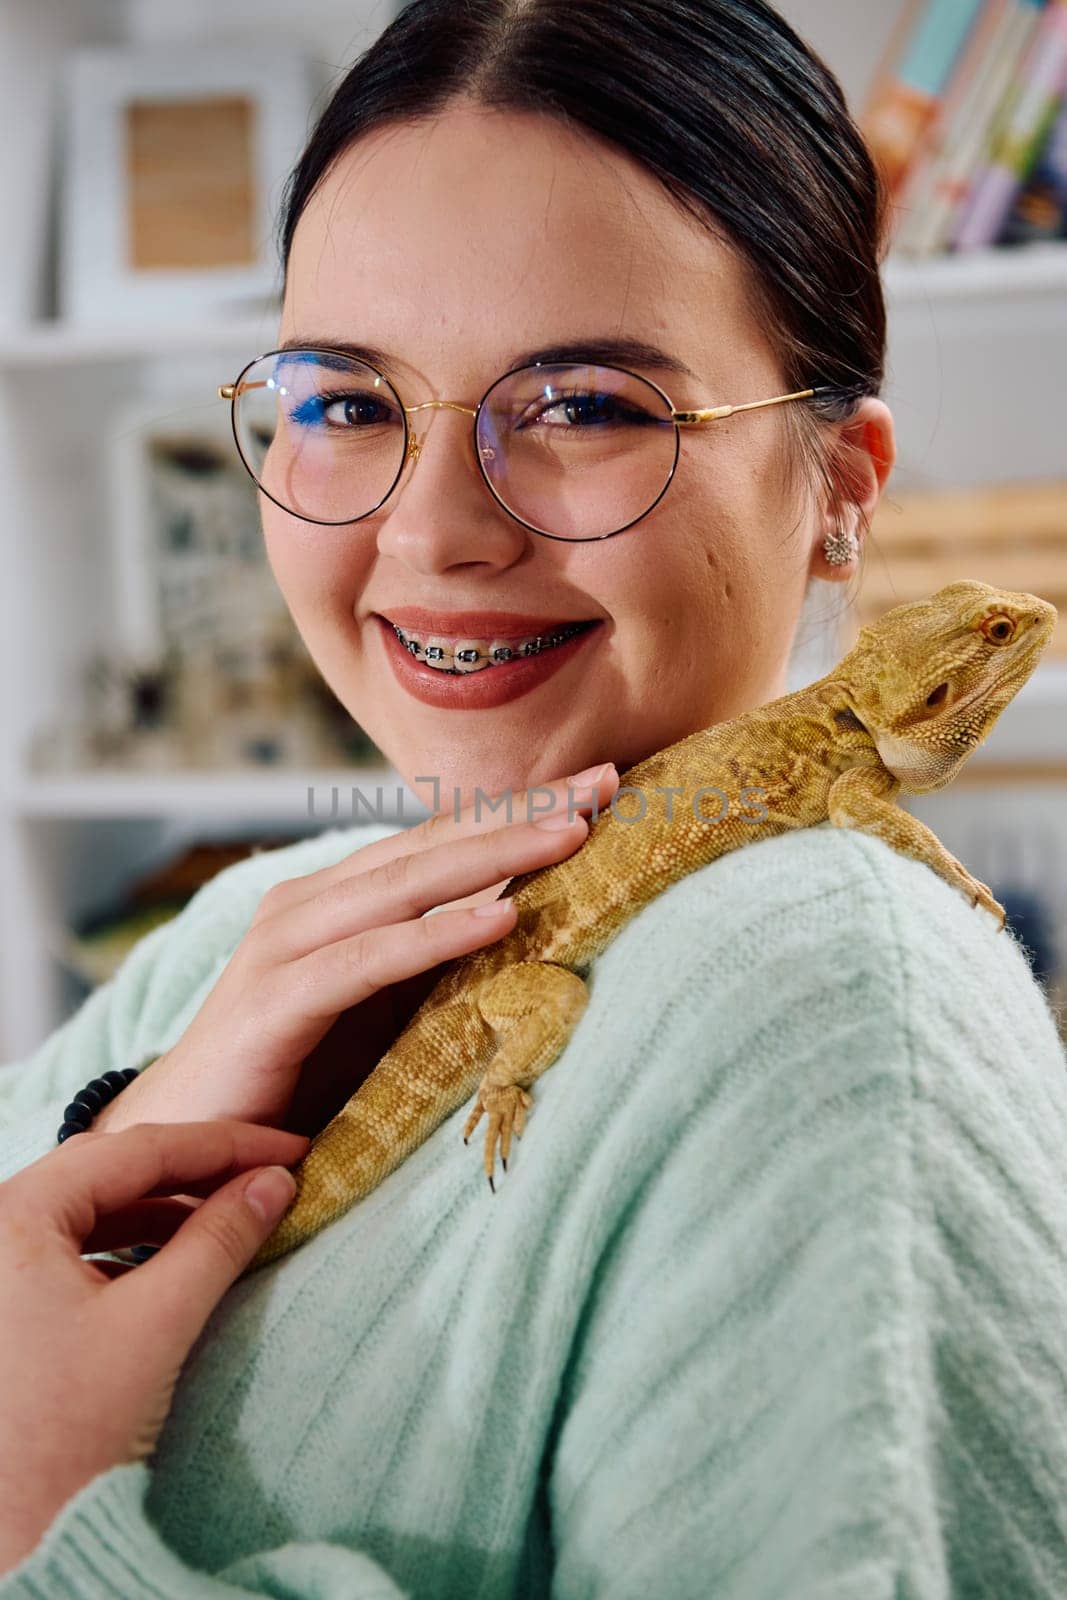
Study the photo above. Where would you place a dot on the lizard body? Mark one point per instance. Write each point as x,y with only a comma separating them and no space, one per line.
919,690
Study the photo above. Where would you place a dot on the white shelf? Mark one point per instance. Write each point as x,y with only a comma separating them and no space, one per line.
276,794
59,344
992,274
1038,269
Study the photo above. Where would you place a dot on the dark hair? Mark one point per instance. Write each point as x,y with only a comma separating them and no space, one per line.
746,129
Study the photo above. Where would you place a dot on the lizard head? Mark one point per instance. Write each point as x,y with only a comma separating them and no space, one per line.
929,679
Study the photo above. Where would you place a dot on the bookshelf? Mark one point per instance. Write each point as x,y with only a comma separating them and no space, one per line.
978,348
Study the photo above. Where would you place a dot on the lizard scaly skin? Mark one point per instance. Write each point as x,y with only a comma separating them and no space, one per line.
919,690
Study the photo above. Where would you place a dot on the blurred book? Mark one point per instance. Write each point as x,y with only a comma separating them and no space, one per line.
939,179
1024,124
963,122
1040,209
907,89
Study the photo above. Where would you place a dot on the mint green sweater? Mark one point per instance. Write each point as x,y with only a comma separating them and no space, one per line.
771,1304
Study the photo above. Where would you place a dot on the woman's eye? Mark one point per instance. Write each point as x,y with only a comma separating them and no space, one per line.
577,410
341,411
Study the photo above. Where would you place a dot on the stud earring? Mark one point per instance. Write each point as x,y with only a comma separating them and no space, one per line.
840,547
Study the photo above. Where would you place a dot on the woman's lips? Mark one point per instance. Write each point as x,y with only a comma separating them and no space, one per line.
493,686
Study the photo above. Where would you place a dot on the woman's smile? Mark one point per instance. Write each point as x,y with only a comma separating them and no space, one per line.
463,683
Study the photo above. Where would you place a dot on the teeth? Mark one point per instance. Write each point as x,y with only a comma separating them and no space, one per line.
473,655
438,651
468,656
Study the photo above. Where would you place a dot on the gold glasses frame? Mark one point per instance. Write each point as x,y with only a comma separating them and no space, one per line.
413,447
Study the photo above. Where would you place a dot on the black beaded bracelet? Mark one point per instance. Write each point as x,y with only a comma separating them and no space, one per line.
84,1107
88,1101
96,1095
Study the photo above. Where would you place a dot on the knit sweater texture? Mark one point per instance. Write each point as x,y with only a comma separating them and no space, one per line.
770,1305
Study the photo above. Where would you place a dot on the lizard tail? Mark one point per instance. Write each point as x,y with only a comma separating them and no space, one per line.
430,1070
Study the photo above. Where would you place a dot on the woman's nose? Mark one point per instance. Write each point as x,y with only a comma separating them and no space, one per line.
441,512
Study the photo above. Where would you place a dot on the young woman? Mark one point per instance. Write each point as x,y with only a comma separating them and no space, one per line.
771,1299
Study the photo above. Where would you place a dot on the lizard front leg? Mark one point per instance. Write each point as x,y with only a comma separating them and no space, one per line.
863,798
532,1007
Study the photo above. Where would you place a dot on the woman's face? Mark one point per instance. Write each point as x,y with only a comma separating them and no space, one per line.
452,246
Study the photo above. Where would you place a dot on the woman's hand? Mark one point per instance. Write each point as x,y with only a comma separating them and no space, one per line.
347,943
90,1351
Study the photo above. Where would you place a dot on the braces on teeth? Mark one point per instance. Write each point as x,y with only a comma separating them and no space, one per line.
476,660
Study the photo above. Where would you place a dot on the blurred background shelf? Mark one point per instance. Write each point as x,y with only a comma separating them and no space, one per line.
1013,275
1006,272
316,797
55,343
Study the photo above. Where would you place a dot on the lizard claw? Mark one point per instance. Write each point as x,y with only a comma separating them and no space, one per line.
982,895
506,1108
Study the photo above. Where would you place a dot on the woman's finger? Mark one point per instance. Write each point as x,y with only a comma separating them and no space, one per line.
485,815
86,1177
326,982
409,884
171,1295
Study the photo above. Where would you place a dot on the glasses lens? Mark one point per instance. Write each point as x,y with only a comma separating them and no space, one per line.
579,452
322,433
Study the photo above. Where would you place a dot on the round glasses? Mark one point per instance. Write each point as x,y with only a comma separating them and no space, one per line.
571,451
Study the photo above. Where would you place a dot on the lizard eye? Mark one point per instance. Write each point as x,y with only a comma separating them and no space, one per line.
999,629
936,697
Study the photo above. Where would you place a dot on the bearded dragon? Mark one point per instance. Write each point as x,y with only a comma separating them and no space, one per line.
917,692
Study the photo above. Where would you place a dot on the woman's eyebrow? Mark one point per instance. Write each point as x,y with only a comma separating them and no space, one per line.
617,352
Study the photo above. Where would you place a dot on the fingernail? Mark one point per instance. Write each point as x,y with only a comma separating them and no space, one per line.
270,1192
591,775
492,908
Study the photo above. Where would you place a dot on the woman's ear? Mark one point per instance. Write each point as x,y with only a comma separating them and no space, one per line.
865,452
